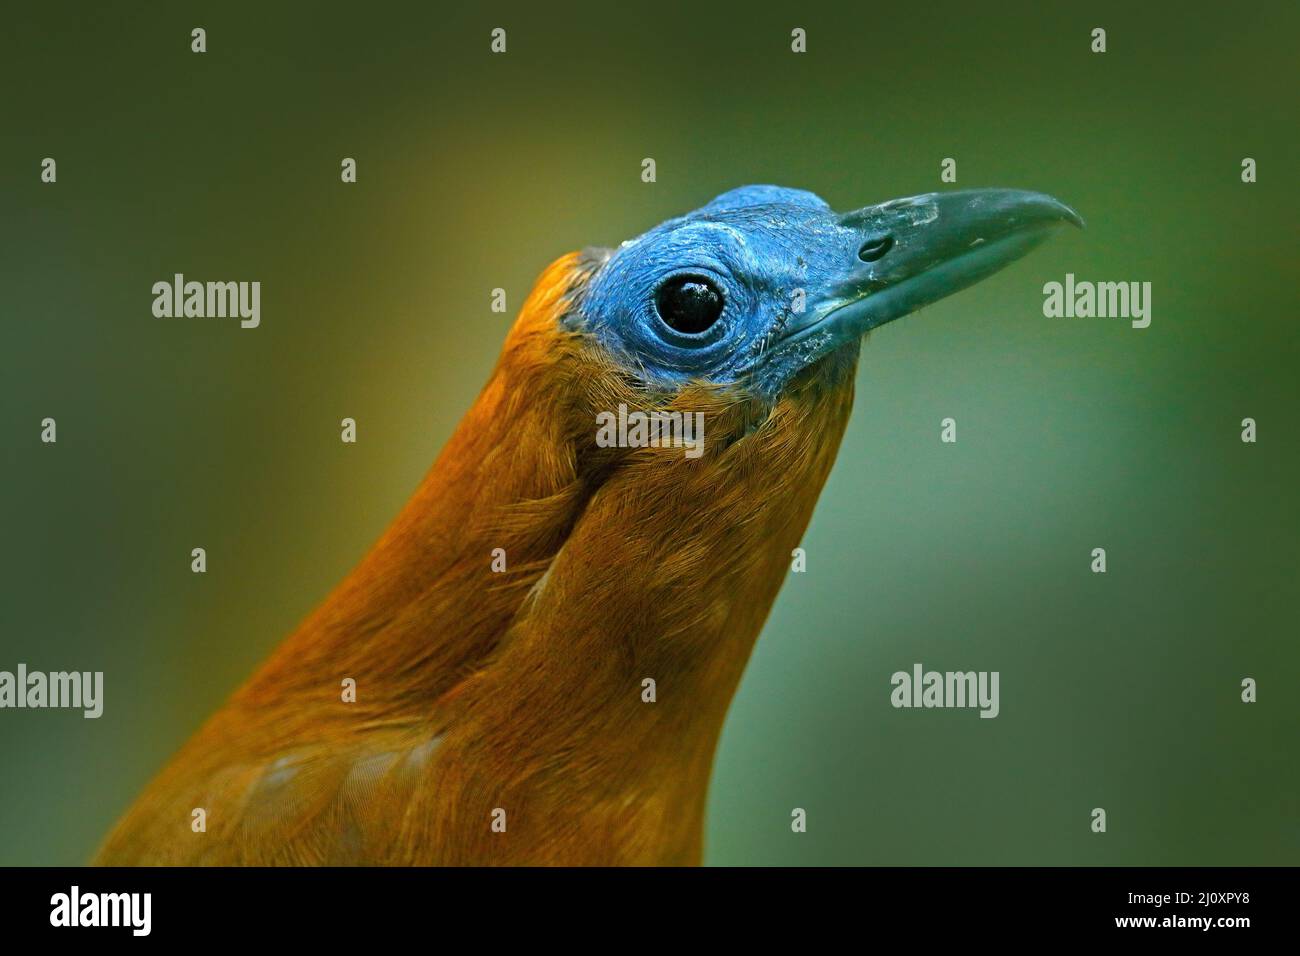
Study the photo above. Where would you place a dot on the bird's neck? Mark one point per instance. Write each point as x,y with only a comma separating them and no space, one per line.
613,685
583,614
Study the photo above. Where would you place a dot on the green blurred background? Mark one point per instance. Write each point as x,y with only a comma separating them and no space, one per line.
1118,690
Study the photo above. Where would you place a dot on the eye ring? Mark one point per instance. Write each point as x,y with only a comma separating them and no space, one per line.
689,304
875,248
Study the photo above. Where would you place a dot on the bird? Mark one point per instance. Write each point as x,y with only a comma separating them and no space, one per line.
533,663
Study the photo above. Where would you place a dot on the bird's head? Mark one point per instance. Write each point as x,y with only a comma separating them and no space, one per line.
765,282
744,318
631,557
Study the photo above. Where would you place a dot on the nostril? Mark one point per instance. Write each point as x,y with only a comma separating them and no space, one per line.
873,249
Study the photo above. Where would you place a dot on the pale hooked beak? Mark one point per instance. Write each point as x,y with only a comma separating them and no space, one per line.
910,252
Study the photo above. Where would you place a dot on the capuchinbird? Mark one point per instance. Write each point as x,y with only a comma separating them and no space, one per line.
502,633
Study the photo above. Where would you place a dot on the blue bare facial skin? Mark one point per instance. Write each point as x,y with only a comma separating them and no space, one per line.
764,281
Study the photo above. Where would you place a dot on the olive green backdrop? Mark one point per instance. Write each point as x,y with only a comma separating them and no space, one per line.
1118,690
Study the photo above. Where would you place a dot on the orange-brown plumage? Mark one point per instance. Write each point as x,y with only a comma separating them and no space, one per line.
521,691
530,680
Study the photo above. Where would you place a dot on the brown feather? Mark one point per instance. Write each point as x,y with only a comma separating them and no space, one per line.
519,690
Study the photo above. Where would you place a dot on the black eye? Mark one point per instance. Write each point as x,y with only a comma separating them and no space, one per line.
689,304
873,249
